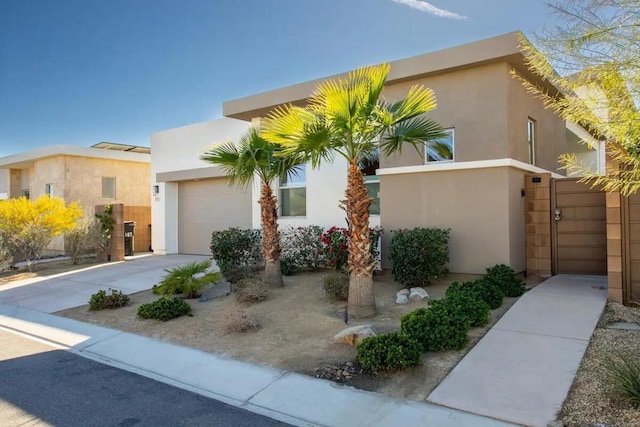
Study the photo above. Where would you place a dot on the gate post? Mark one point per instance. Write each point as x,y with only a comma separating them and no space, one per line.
537,189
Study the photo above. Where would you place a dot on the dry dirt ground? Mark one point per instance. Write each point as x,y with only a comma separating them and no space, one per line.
593,399
297,325
42,270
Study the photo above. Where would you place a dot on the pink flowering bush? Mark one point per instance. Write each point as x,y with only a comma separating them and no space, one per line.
336,246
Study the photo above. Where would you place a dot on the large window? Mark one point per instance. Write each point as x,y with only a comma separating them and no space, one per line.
48,190
108,187
440,150
531,140
293,193
372,184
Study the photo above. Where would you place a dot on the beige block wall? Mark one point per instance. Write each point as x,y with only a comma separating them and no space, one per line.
84,181
615,253
483,208
474,101
141,215
538,223
551,139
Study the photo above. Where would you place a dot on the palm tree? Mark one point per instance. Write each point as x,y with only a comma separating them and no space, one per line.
255,156
348,117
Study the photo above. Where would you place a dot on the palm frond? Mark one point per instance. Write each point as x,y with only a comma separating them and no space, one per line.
415,131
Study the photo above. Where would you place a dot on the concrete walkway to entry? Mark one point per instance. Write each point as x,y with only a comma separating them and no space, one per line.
522,369
73,288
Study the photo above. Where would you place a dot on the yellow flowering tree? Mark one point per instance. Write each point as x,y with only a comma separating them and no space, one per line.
27,226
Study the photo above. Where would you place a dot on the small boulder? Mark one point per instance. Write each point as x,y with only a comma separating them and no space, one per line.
402,299
418,294
354,335
404,292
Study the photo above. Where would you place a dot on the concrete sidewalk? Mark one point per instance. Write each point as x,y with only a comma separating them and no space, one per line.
284,396
522,369
73,288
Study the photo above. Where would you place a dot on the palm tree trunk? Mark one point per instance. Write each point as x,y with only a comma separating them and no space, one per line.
270,241
361,298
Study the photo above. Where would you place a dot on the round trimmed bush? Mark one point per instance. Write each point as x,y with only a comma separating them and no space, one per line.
389,352
482,289
505,278
470,306
438,328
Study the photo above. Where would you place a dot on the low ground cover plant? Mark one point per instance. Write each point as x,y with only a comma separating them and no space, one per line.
438,328
505,278
237,252
336,285
251,290
389,352
164,309
108,299
469,305
187,279
238,321
419,255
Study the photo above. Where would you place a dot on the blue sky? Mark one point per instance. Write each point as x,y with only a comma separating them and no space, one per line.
83,71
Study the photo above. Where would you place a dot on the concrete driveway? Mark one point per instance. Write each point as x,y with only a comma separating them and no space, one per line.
49,294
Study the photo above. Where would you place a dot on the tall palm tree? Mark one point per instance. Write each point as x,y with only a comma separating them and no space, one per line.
254,156
349,118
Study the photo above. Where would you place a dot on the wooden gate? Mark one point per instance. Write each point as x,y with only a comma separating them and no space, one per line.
632,248
579,228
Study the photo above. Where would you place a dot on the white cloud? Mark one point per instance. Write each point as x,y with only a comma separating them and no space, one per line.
423,6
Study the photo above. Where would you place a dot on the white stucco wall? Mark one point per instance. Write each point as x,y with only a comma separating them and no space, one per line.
325,188
176,150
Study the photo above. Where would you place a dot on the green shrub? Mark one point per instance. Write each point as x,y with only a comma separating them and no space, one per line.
438,328
505,278
419,255
469,305
482,289
101,300
288,266
237,252
187,279
251,290
302,248
336,285
388,352
625,373
164,309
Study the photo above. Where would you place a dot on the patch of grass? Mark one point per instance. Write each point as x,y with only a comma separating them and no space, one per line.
624,370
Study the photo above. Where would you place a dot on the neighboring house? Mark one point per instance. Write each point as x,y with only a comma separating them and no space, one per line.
497,133
105,173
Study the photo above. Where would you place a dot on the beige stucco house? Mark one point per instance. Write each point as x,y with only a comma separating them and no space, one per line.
105,173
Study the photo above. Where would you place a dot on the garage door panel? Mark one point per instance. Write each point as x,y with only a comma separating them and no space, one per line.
208,205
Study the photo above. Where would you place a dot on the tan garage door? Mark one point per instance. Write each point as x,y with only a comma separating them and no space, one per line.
207,205
580,240
633,248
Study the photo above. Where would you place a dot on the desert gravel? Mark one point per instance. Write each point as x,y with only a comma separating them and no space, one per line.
593,399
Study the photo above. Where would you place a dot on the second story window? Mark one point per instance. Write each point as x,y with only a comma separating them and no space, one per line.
48,190
108,187
293,193
531,140
440,150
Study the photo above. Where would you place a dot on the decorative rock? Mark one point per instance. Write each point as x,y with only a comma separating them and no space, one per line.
354,335
401,299
418,294
220,289
404,292
625,326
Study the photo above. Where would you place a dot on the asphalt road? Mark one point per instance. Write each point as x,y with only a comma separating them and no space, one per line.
41,385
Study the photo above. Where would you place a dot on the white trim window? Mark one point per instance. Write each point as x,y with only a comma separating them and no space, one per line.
108,187
48,190
293,193
531,140
372,184
441,150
